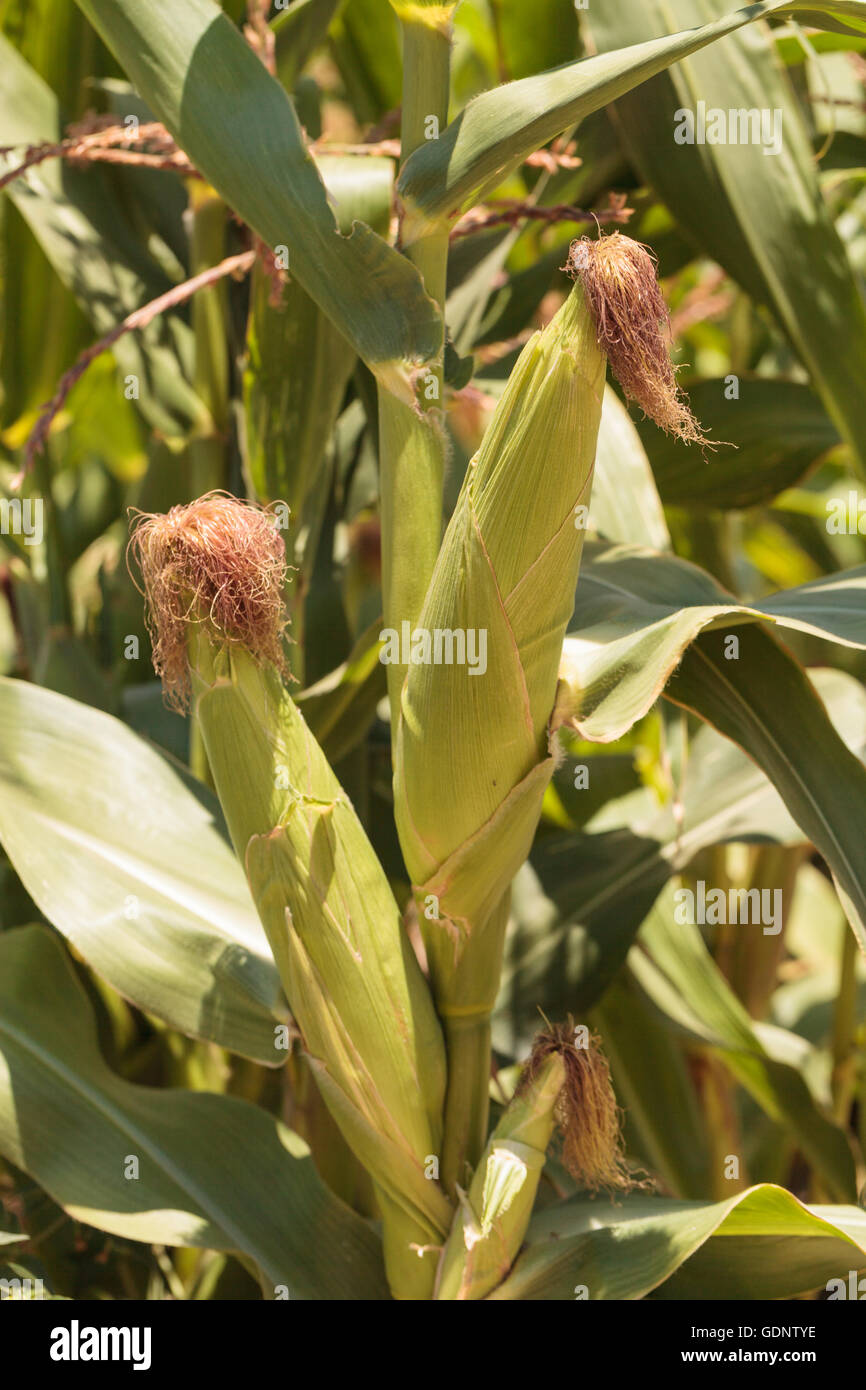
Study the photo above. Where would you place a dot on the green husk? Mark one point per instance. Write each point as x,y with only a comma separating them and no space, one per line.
565,1085
491,1221
352,980
472,757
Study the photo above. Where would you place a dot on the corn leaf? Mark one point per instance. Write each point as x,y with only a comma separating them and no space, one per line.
578,905
779,430
82,230
126,863
626,1251
298,363
497,130
537,36
298,31
625,503
635,615
190,1146
365,43
236,123
765,702
742,204
684,982
664,1125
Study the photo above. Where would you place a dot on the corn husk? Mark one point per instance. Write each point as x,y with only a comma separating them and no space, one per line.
472,757
491,1221
566,1086
354,985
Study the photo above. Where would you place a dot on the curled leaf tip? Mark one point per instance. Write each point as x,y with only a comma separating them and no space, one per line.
587,1114
217,561
618,276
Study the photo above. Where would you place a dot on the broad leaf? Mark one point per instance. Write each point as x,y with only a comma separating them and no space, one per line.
683,980
76,1128
497,130
298,31
768,706
778,430
625,503
82,229
636,613
628,1250
664,1123
236,123
578,905
127,864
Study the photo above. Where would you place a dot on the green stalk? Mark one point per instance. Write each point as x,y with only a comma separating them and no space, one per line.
467,1105
207,452
411,443
845,1030
209,322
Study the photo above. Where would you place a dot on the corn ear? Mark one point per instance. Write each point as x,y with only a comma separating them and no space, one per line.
492,1218
565,1085
471,753
352,980
508,566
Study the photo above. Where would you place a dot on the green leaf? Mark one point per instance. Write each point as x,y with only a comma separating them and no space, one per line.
765,703
236,123
636,613
298,364
298,31
365,42
126,863
578,905
683,980
82,229
74,1127
663,1117
497,130
778,430
536,36
741,204
625,503
626,1251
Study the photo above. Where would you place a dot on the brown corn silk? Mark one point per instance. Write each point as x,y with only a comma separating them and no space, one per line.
618,276
586,1111
215,561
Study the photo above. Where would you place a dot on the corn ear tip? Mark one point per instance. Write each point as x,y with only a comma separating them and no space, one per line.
587,1114
219,562
619,279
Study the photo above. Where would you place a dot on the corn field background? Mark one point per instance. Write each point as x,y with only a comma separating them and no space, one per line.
476,906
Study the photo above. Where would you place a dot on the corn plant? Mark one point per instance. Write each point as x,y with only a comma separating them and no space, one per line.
428,874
